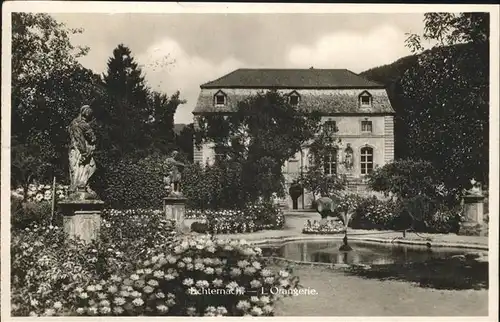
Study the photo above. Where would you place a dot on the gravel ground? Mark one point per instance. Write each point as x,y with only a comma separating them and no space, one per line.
342,295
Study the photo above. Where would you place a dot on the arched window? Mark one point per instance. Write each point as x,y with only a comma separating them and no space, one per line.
366,160
330,162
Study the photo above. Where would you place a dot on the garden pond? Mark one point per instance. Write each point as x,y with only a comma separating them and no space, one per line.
362,253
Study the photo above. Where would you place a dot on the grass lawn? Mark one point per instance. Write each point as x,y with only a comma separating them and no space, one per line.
344,294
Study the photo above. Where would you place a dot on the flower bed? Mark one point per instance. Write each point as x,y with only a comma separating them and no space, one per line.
46,266
253,218
334,226
51,276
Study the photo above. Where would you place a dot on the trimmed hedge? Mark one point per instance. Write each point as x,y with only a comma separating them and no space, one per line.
135,184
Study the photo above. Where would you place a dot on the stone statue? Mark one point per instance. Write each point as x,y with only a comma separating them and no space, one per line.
81,150
476,188
348,157
173,179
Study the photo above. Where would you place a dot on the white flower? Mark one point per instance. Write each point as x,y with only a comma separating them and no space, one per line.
189,267
255,284
284,273
92,310
209,270
119,301
254,299
118,310
267,308
221,310
191,310
134,277
80,310
199,266
211,249
217,282
265,272
83,295
158,274
284,283
269,280
162,308
105,309
256,265
235,272
169,277
104,303
265,299
232,285
256,310
249,270
188,282
218,271
202,284
57,305
243,305
138,302
243,263
187,259
208,261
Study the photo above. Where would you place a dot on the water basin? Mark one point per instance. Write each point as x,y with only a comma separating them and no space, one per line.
362,253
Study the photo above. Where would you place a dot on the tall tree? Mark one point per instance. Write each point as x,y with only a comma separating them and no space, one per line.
448,97
261,134
48,88
164,108
127,116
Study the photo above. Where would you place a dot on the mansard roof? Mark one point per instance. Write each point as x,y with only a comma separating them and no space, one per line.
311,78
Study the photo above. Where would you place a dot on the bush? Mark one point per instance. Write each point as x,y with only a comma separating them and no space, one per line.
172,282
46,265
134,183
55,276
217,186
373,213
254,217
24,214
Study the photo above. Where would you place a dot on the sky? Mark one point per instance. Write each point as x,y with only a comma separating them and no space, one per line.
184,50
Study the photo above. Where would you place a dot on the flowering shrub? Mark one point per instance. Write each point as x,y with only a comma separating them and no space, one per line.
46,266
24,214
176,282
254,217
373,213
40,192
328,227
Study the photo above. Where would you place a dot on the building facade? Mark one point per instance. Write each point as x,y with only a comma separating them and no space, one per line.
357,110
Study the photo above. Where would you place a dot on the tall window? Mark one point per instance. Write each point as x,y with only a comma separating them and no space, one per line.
330,126
366,126
330,162
366,160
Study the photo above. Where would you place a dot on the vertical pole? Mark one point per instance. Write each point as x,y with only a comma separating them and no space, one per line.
53,199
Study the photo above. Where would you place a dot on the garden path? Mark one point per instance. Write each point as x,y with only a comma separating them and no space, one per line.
295,221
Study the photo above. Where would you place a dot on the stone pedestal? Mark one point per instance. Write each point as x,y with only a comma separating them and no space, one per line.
175,209
473,212
82,218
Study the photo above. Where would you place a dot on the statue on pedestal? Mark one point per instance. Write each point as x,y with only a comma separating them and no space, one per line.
173,179
348,159
476,189
81,151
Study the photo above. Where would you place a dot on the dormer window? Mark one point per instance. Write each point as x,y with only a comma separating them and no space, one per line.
220,98
365,99
294,98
